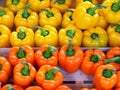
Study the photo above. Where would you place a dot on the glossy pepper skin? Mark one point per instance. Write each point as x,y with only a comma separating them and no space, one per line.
70,32
88,89
86,15
113,57
36,5
16,5
113,8
92,60
6,17
95,37
50,17
23,74
46,35
114,35
34,88
49,77
70,57
26,17
62,5
46,55
20,54
22,36
4,36
11,87
62,87
67,18
105,77
118,82
5,70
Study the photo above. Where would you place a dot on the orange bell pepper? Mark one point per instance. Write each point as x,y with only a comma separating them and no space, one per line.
62,87
88,89
19,54
92,60
24,74
105,77
11,87
34,88
118,82
113,57
49,77
70,57
5,70
117,89
46,55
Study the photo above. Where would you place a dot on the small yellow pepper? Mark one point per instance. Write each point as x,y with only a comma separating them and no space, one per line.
6,17
51,17
26,18
70,32
95,37
46,35
62,5
67,18
114,35
22,36
16,5
4,36
95,2
36,5
86,15
112,12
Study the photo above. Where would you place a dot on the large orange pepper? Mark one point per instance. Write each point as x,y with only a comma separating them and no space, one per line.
19,54
113,57
34,88
11,87
88,89
5,70
24,74
62,87
118,82
49,77
105,77
46,55
70,57
92,60
117,89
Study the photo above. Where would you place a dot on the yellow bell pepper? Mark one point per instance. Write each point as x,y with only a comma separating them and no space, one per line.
6,17
36,5
95,37
95,2
114,35
67,18
86,15
46,35
51,17
62,5
4,36
22,36
16,5
26,18
112,12
70,32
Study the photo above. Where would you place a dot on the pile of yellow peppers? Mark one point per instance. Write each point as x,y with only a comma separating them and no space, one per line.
89,23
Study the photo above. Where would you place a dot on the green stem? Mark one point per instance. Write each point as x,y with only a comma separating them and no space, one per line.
21,34
88,0
117,27
21,53
95,58
70,33
115,59
2,12
49,13
70,51
10,88
43,31
91,11
25,71
26,14
48,52
107,73
15,2
95,36
115,6
0,66
50,74
59,1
